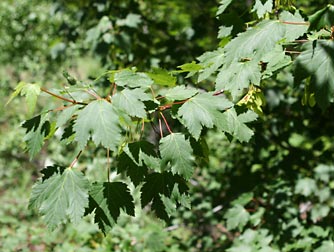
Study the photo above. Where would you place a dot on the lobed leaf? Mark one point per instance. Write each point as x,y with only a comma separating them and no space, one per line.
130,101
235,124
107,199
176,151
317,61
61,197
99,121
128,78
201,111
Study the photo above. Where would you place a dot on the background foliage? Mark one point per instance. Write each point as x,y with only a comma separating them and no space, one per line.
271,194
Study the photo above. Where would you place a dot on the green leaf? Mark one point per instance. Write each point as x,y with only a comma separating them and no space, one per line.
201,111
236,217
317,61
293,31
176,151
275,60
162,77
238,76
128,78
224,31
255,42
306,186
107,199
65,115
223,4
131,20
99,121
243,199
36,133
180,93
210,61
31,93
261,9
158,184
235,124
171,203
326,246
130,101
134,160
323,18
61,197
192,68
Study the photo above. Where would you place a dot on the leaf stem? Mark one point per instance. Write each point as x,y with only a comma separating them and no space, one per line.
108,164
96,96
75,160
160,128
292,52
166,123
295,23
62,98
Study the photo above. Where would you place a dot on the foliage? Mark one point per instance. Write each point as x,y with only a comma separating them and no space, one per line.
245,136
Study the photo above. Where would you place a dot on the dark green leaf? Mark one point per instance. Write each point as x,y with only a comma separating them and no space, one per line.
317,61
108,199
157,184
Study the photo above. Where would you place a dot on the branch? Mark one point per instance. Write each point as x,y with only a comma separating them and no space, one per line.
62,98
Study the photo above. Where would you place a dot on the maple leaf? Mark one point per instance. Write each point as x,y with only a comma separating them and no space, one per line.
162,77
158,184
210,61
132,160
238,76
180,93
223,4
35,133
131,102
99,121
132,79
293,31
61,197
323,18
261,8
192,68
235,124
30,91
176,151
201,111
317,61
255,42
107,199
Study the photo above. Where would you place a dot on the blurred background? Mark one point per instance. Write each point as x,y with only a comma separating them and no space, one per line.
288,163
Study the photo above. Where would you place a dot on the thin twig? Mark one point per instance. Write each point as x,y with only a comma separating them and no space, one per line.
292,52
108,164
166,123
96,96
61,108
75,160
62,98
160,127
